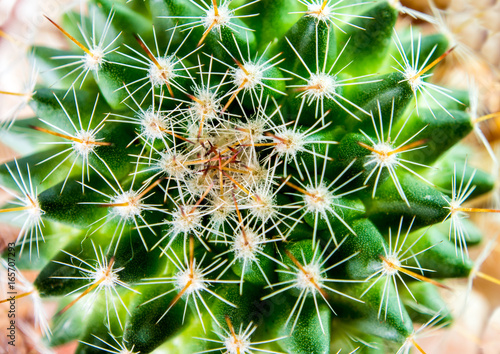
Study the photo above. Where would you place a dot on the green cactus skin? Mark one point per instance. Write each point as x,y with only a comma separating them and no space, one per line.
242,176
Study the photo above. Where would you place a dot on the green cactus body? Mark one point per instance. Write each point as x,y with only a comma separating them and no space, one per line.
226,176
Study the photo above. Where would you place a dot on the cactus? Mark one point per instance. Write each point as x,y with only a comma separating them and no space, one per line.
242,176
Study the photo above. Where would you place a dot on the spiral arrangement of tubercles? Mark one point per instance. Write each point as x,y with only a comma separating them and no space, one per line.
210,159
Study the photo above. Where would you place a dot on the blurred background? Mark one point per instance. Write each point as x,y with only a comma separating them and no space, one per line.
472,25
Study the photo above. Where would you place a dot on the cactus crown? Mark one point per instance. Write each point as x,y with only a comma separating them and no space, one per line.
242,176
